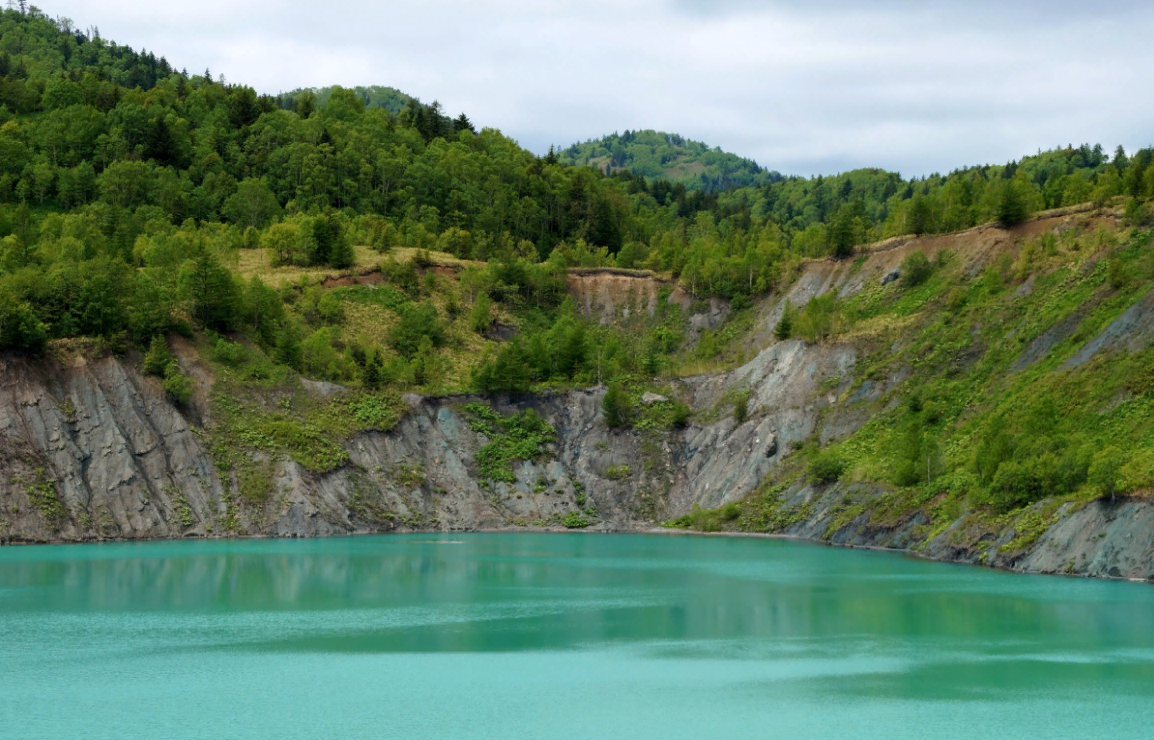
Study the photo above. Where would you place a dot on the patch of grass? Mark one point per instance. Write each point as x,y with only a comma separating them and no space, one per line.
409,476
707,520
523,436
662,416
619,471
379,411
42,493
256,484
183,509
258,262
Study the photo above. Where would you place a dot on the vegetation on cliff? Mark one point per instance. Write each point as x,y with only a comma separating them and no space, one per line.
1026,391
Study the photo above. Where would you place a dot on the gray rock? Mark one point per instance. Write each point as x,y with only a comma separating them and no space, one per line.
892,277
651,398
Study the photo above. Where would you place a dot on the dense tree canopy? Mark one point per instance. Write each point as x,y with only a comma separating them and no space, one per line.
128,188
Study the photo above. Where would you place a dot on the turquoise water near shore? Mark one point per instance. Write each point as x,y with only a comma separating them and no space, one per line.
559,636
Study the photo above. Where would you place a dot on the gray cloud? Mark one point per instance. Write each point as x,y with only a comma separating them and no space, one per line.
812,87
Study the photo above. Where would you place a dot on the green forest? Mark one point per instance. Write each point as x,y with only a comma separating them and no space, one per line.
136,198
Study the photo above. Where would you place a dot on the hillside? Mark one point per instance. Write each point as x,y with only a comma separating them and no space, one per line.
224,313
657,155
980,397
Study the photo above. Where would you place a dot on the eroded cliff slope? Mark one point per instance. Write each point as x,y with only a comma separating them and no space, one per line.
92,449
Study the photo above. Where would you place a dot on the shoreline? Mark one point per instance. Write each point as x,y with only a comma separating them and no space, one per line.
561,530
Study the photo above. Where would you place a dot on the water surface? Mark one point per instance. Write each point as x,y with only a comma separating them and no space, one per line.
559,636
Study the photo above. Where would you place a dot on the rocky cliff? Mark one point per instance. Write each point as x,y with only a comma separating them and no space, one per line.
91,449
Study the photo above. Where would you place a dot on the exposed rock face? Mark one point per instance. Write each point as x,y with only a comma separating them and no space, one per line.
1101,539
128,464
609,295
93,450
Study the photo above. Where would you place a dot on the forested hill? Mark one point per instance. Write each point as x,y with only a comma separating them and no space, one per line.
128,189
658,155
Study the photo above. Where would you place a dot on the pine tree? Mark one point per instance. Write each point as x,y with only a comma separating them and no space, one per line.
158,359
615,406
1010,204
288,347
462,123
371,373
784,328
841,233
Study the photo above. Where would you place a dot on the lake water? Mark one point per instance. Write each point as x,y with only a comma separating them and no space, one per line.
559,636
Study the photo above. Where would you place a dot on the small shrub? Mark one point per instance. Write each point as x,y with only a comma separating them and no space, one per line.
229,353
916,269
256,485
575,520
826,467
45,500
784,328
618,472
1117,275
1104,470
409,476
741,410
157,360
700,519
417,323
479,317
379,412
617,408
178,387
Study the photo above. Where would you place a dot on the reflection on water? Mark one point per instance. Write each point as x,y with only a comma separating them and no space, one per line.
757,629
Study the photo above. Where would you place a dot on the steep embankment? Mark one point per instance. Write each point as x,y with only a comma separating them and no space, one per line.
91,449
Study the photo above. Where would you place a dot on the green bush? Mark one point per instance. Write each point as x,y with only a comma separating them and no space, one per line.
232,354
178,387
575,520
619,471
826,467
1104,470
663,415
616,407
741,410
916,269
158,358
703,520
784,328
417,323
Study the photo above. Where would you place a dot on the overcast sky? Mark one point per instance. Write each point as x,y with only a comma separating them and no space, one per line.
802,87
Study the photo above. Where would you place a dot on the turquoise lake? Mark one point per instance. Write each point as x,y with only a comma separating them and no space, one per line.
559,636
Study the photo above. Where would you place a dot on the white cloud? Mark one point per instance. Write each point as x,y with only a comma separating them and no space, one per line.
800,87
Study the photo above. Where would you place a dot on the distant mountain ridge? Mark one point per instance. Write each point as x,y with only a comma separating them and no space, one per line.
659,155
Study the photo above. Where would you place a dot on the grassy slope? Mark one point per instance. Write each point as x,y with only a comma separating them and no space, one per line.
960,337
964,337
